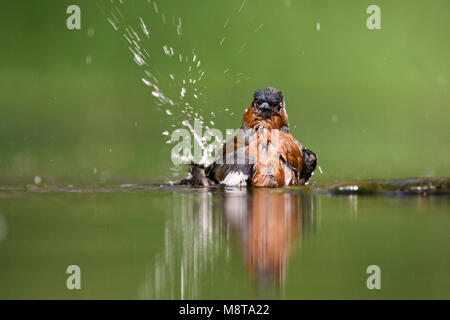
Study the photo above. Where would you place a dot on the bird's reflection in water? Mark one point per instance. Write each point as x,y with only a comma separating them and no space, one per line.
269,225
201,232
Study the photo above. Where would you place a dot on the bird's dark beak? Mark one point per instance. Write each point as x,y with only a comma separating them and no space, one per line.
266,109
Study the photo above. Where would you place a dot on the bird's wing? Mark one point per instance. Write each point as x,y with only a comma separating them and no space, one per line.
291,157
279,159
234,166
302,161
254,156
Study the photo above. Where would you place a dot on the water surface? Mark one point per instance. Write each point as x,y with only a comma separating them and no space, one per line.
170,242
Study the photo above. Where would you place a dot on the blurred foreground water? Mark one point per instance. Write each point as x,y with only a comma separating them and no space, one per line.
159,242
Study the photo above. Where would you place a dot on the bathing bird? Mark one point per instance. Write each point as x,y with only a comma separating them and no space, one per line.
262,153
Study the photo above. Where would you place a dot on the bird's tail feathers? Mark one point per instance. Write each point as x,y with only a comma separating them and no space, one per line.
309,165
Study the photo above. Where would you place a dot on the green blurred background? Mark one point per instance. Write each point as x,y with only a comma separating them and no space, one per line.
370,103
73,110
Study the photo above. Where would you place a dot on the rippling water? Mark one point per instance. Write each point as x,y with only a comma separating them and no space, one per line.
169,242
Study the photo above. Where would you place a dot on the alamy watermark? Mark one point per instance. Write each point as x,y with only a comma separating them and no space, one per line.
374,280
74,280
374,20
73,21
198,145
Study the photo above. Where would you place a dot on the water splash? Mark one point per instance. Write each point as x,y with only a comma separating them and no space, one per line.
144,28
188,82
177,90
242,6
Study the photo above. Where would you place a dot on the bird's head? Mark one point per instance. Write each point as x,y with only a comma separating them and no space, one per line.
267,109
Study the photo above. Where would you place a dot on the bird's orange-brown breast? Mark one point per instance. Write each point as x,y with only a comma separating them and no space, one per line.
278,155
253,120
278,159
